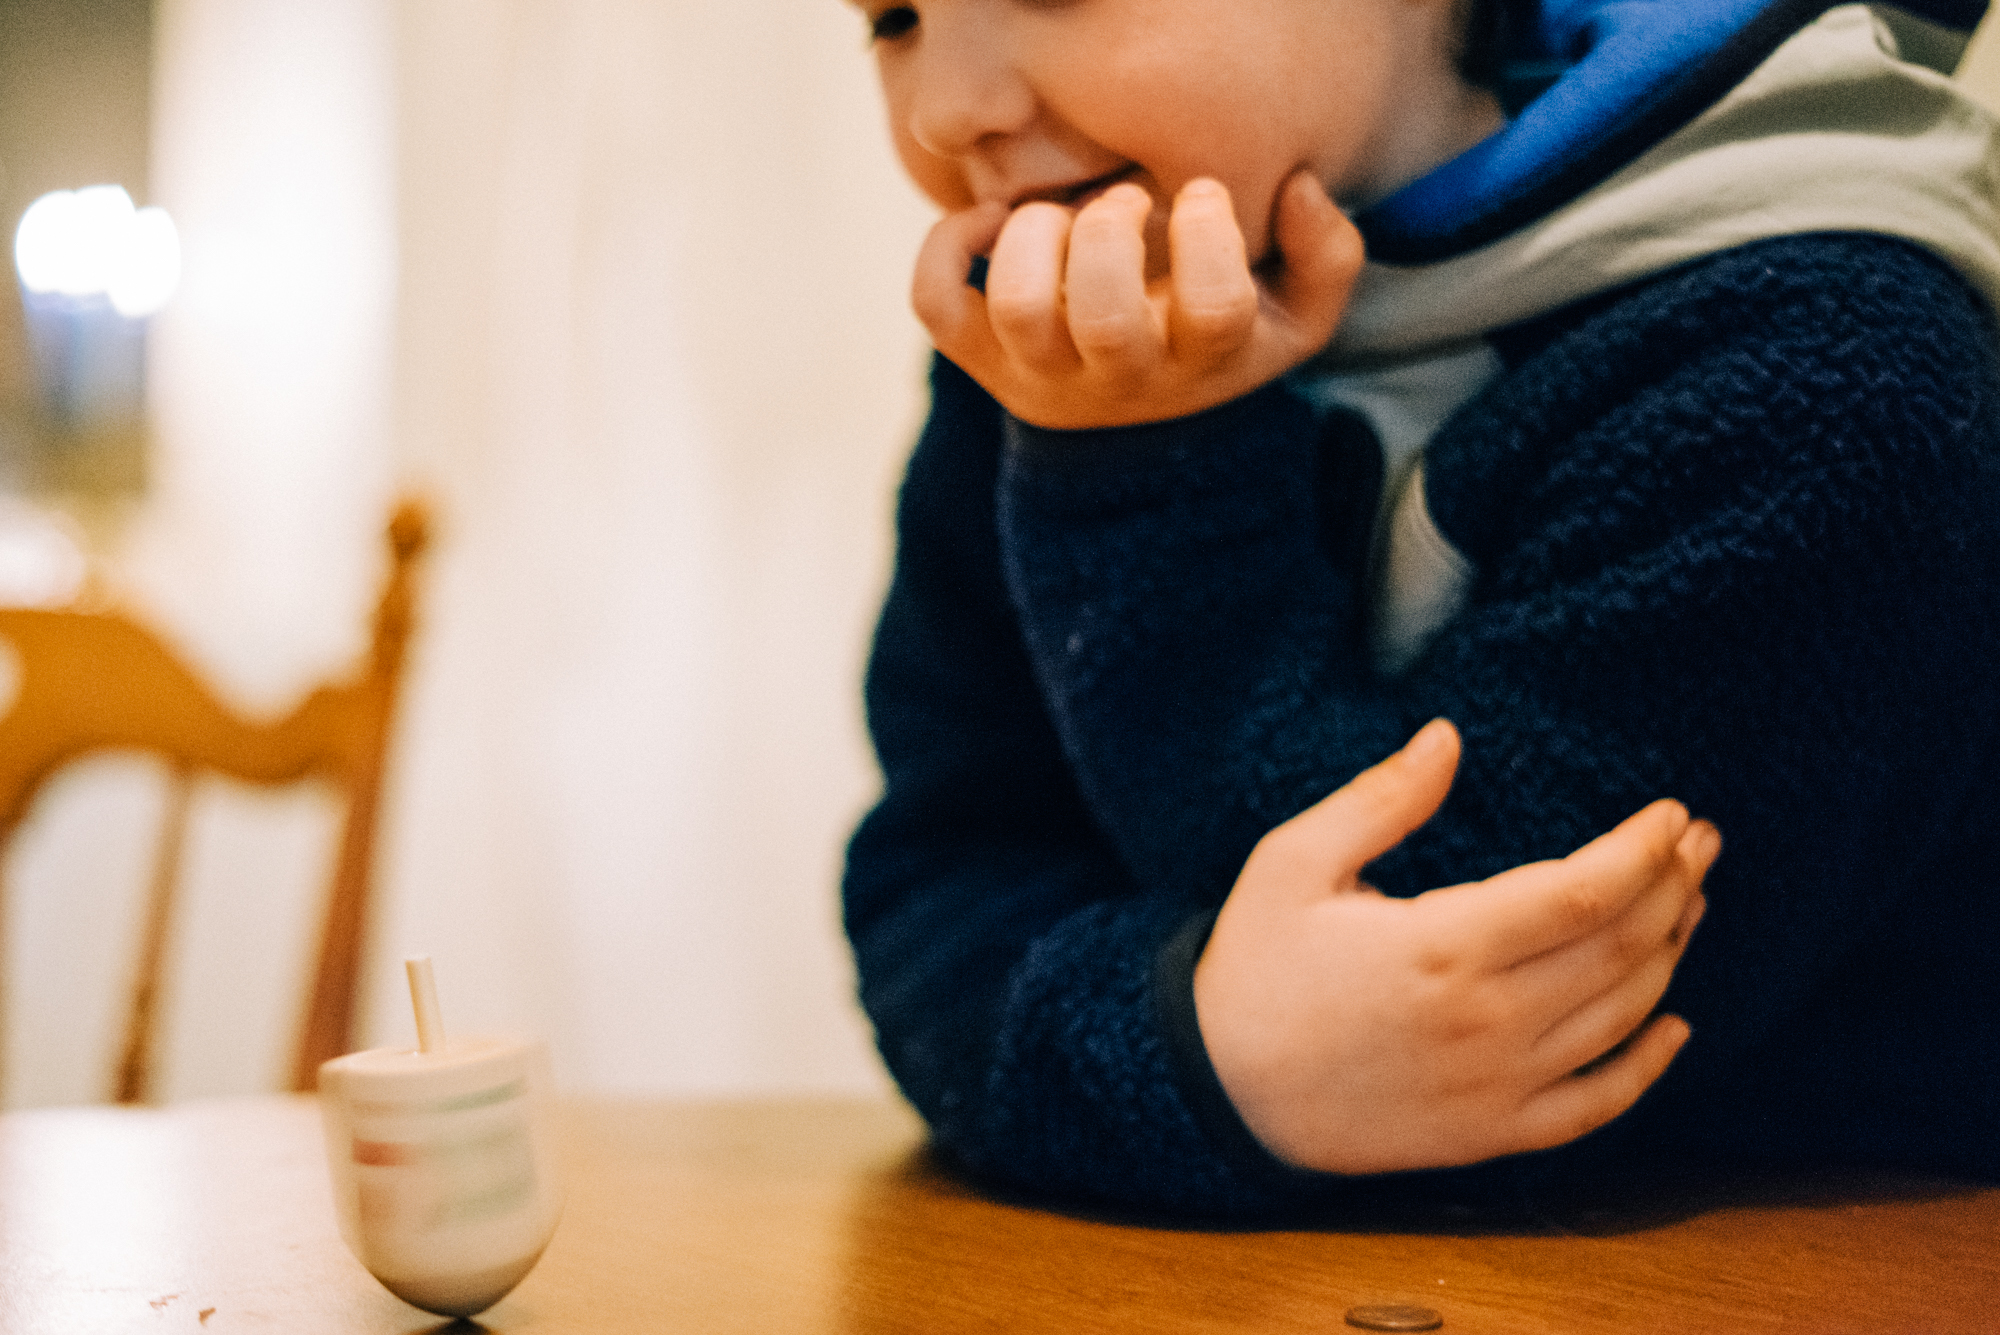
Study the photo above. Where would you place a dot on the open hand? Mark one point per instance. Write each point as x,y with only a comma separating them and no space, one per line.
1071,331
1361,1034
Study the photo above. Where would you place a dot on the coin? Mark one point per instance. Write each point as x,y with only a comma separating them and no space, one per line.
1391,1316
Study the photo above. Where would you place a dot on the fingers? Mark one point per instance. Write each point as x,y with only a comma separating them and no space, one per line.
1064,289
1696,854
1111,321
1585,1034
1214,306
1328,844
1024,288
1611,967
1596,992
1578,1104
1075,328
1544,906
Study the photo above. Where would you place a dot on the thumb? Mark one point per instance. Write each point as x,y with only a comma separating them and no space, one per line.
1328,844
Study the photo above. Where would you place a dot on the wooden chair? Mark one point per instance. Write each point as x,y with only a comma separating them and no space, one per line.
92,681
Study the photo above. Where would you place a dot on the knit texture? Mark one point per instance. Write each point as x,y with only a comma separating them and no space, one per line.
1737,535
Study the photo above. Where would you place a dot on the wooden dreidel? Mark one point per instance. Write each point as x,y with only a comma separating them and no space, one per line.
444,1173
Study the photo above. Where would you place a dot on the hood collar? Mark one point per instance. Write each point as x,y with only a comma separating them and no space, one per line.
1633,72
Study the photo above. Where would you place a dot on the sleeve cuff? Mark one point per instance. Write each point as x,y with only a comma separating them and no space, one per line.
1251,443
1208,1102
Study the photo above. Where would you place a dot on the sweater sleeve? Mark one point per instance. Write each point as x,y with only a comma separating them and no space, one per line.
1734,542
1005,954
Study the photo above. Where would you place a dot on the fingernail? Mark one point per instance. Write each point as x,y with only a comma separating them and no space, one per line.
1429,739
1704,842
1202,187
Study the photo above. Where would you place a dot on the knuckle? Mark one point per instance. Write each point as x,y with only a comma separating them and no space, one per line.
1690,919
1219,299
1282,852
1438,963
1094,222
1014,308
1580,906
1120,341
1217,317
1635,942
1377,794
1454,1014
1289,840
932,316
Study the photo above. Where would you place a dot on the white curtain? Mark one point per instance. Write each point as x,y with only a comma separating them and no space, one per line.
654,359
620,285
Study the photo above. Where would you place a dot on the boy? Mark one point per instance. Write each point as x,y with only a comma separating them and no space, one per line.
1656,446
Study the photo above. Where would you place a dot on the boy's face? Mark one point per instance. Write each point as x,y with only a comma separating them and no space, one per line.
1016,100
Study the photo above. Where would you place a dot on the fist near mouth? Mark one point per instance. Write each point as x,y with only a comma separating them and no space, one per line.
1071,332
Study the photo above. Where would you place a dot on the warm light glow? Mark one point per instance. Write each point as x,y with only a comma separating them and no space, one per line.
42,561
92,242
150,266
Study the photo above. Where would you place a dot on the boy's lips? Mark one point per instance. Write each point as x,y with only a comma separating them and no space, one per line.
1076,194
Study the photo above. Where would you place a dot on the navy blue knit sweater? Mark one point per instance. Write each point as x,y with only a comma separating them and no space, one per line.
1737,535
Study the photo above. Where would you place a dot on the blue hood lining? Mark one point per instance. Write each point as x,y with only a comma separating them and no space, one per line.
1637,71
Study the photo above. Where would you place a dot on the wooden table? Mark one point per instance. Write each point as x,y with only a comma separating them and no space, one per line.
793,1218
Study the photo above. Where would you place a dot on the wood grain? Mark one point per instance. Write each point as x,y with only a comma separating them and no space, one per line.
810,1216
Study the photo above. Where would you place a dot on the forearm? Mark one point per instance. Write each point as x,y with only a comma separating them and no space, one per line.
1185,609
1003,948
1034,1049
1745,612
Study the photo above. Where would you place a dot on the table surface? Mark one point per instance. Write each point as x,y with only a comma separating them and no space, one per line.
798,1217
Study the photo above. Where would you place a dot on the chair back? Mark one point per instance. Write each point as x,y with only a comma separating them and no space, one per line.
86,681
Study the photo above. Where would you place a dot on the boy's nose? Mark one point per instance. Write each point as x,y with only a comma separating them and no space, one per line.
966,93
